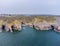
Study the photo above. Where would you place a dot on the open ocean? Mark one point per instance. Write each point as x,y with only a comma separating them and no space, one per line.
30,37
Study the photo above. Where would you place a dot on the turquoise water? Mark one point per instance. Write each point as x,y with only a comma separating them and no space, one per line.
30,37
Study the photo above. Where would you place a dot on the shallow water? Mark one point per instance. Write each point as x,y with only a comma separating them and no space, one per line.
30,37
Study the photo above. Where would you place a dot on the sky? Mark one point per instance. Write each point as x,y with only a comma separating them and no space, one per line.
30,7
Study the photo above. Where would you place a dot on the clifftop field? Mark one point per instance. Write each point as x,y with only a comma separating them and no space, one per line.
11,19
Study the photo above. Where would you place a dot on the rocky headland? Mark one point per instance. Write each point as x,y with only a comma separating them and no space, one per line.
15,22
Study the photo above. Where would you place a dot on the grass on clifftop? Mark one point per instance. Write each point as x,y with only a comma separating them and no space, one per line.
26,19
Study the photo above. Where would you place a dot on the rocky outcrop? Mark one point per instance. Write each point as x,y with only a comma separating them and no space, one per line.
0,28
42,26
18,27
8,27
57,28
39,27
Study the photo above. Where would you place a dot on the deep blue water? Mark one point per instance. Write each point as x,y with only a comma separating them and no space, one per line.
30,37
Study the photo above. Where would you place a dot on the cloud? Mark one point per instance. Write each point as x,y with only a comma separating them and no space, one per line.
30,6
52,2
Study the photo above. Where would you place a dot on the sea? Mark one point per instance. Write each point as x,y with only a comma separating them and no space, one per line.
30,37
